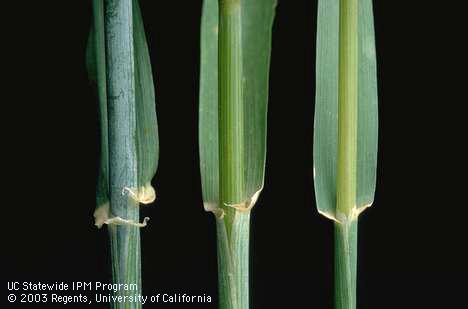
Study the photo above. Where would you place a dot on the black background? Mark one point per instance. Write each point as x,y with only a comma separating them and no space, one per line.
411,242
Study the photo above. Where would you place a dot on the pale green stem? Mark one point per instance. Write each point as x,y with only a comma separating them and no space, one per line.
345,264
346,230
125,240
233,228
233,262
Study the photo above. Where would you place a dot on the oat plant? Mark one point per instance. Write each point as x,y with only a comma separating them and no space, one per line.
118,63
235,57
346,122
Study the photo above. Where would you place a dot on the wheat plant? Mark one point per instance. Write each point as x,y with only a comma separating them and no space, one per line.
235,57
118,62
346,125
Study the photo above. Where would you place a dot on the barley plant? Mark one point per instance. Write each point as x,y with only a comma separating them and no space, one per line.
235,58
118,63
346,122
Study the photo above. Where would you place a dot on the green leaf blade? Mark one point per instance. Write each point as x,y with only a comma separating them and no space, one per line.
256,27
147,124
326,109
208,106
367,108
257,17
96,66
147,139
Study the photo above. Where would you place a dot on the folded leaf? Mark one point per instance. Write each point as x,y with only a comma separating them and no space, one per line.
96,65
146,122
147,126
326,108
256,25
